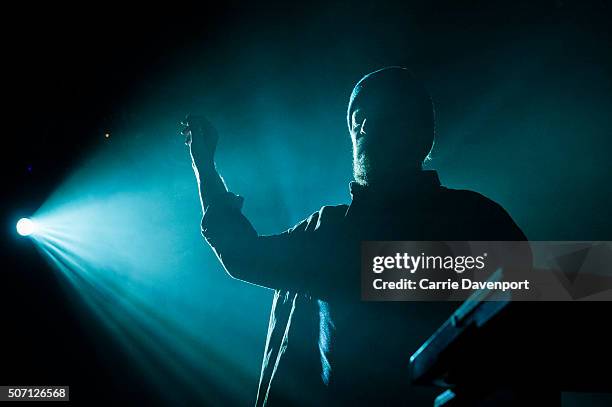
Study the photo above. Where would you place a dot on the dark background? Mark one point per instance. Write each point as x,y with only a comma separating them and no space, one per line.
523,93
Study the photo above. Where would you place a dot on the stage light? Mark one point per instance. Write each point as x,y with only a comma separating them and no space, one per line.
119,231
25,227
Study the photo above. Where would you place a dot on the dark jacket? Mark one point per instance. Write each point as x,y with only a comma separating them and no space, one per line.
324,345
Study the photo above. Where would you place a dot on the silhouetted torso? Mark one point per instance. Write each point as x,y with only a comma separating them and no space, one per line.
335,348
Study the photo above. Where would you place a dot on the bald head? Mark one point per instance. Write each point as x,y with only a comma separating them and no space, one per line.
391,120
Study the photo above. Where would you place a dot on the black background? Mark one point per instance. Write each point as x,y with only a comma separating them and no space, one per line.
67,70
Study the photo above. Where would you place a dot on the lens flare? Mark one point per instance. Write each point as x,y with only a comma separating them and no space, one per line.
25,227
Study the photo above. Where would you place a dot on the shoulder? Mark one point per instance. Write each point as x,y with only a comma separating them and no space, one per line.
465,198
328,214
482,212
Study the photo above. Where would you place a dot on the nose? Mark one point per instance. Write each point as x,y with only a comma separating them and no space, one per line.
362,127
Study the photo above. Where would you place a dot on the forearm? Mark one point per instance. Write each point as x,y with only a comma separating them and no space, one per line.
210,183
201,137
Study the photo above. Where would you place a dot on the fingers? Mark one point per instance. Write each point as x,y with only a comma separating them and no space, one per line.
198,123
185,131
198,127
193,123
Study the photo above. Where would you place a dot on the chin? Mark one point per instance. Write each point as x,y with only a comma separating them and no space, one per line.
361,170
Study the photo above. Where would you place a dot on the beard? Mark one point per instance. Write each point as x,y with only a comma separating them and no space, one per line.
362,168
371,169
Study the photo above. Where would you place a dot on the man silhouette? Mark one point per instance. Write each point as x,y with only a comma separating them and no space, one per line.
324,345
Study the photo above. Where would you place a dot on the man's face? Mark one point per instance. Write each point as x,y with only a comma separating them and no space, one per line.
380,135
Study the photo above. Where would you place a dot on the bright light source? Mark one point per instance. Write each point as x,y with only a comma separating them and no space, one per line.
25,227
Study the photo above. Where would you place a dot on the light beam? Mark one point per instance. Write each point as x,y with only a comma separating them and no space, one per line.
25,227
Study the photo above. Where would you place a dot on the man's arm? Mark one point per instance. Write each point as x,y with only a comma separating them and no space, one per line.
201,138
293,260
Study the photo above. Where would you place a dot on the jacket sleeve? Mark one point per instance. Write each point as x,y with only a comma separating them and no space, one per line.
293,260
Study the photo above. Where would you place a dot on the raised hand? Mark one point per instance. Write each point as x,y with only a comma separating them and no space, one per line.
201,137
